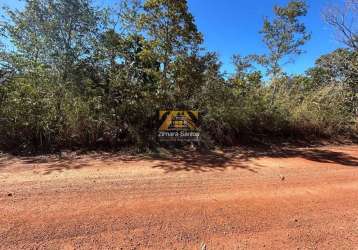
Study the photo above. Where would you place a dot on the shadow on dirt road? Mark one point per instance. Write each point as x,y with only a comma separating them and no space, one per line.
238,158
195,161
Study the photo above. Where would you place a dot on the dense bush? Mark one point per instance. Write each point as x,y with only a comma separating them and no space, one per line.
74,83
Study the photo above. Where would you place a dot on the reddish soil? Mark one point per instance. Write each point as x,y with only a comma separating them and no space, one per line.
281,198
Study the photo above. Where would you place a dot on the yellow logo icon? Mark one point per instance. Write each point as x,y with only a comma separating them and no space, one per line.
178,120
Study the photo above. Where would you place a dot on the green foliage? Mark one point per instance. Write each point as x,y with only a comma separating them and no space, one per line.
85,77
284,35
29,114
56,34
323,112
339,68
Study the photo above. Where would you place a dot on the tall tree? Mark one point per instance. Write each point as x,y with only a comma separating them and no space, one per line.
171,31
55,33
284,37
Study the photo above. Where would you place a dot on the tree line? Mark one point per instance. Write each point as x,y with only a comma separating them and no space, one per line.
73,75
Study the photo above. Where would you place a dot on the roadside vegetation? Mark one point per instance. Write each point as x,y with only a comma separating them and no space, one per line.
76,76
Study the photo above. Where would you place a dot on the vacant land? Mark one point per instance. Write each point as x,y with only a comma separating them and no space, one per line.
277,198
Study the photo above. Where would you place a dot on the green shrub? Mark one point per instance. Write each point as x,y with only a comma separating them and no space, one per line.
324,112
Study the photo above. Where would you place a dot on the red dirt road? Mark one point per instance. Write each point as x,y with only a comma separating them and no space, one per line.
293,198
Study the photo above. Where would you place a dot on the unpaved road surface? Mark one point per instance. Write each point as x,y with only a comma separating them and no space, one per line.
278,198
